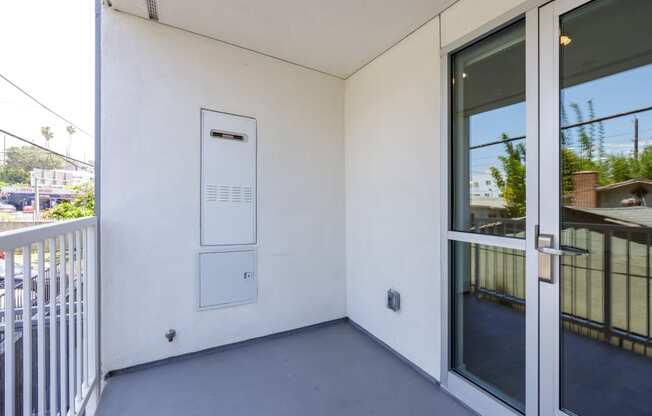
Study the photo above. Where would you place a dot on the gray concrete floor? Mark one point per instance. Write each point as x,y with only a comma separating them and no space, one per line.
328,370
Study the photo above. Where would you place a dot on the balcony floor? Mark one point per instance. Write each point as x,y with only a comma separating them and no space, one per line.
601,379
327,370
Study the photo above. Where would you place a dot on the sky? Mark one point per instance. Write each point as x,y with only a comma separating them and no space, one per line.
625,91
48,49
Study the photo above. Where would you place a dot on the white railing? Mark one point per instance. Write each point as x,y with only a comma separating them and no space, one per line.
57,319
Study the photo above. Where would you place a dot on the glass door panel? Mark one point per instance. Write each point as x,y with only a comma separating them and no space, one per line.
605,66
596,90
488,201
488,129
489,317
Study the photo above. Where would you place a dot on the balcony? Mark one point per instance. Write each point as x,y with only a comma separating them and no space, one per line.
336,208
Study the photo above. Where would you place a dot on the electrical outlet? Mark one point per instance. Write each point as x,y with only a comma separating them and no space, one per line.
393,300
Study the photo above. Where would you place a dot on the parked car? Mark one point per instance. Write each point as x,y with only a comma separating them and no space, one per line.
28,208
18,274
7,207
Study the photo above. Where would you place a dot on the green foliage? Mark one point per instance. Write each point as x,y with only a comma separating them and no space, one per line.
586,154
620,168
21,160
512,183
82,206
644,163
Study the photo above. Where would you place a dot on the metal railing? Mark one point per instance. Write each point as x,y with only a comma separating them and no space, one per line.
48,328
499,226
608,291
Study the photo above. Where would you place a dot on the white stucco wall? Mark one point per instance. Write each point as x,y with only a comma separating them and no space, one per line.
465,16
392,196
155,79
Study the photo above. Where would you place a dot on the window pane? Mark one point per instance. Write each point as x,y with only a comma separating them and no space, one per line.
488,135
488,321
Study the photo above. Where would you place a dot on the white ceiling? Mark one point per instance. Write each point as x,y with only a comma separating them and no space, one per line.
333,36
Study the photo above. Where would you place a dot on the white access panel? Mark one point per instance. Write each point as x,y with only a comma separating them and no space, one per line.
228,179
227,278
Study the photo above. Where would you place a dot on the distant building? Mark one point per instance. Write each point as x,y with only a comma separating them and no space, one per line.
588,194
483,186
60,177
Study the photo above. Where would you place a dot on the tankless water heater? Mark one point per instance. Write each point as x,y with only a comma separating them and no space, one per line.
228,179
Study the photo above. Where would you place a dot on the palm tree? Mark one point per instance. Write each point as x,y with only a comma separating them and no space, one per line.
71,130
47,133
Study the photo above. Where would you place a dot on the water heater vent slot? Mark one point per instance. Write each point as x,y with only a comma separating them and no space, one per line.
224,194
211,193
248,194
236,194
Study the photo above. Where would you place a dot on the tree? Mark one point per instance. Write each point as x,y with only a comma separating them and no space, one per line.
624,167
644,163
82,206
71,130
621,168
590,154
20,161
511,181
47,133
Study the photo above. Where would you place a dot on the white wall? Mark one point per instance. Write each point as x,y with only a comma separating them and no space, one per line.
465,16
392,114
155,79
372,141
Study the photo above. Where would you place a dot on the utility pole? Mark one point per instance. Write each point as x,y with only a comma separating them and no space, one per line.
636,138
37,209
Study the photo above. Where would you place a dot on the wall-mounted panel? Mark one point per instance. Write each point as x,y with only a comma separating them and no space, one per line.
228,179
227,278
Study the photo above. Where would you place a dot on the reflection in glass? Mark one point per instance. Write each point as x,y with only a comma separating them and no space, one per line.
606,162
489,319
488,135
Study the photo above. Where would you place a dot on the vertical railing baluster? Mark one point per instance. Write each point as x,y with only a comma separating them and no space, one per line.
512,261
476,268
27,330
78,304
40,327
54,384
93,310
606,258
71,324
9,347
647,291
85,278
494,253
589,264
628,282
63,325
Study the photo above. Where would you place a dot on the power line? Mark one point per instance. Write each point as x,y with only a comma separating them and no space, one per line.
45,106
68,158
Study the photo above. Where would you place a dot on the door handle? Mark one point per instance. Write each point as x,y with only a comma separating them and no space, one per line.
564,251
544,245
